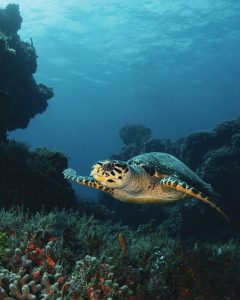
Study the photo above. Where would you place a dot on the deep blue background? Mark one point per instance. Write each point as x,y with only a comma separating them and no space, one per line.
171,65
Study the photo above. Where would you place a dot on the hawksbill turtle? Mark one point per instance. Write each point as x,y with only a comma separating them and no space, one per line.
154,177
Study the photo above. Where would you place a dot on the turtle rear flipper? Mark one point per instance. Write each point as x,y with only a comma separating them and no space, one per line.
177,184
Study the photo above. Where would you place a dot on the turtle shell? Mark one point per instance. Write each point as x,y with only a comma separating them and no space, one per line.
159,163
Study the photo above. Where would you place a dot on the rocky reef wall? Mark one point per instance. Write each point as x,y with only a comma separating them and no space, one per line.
32,178
21,98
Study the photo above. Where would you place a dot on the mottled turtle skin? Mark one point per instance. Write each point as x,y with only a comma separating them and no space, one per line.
154,177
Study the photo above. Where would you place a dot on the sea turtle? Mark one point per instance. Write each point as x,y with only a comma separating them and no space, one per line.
154,177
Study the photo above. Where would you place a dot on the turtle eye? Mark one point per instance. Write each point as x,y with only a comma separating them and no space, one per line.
108,166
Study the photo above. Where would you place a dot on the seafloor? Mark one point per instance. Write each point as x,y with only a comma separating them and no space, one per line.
110,250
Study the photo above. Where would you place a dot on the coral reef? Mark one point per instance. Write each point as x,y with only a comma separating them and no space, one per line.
217,160
134,138
134,134
63,255
21,98
31,178
10,19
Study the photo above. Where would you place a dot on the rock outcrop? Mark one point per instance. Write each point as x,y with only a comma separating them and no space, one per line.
30,178
21,98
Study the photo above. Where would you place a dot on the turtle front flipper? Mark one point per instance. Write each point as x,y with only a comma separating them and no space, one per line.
72,175
177,184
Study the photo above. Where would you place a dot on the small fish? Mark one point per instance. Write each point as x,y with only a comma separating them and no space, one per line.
122,244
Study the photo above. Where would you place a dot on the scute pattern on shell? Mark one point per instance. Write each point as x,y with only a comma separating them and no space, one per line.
165,163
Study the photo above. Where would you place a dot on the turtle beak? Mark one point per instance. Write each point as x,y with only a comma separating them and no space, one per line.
93,172
94,169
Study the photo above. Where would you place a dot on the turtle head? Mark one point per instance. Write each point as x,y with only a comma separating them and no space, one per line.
111,173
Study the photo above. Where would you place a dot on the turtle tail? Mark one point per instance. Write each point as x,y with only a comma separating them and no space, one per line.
210,202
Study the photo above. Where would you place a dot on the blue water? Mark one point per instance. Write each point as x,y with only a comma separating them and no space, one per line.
171,65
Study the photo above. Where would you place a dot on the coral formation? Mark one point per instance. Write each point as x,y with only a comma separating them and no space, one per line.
134,134
33,177
21,98
27,177
10,19
63,255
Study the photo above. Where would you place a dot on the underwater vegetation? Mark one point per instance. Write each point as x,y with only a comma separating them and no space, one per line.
63,255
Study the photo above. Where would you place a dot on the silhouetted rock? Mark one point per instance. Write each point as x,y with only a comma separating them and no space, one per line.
134,134
33,178
161,145
195,146
21,98
10,19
